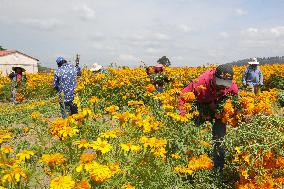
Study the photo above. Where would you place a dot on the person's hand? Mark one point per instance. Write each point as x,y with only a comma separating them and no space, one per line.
245,83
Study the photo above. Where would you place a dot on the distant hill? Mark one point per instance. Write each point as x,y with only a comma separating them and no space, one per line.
264,60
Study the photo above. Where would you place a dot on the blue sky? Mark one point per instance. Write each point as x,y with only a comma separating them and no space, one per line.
189,32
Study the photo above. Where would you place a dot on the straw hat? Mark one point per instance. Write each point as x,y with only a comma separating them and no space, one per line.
254,61
15,68
96,67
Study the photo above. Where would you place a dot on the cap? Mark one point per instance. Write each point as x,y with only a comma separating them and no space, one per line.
224,75
59,59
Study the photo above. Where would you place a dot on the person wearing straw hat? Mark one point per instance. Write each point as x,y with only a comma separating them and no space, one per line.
253,77
18,79
96,68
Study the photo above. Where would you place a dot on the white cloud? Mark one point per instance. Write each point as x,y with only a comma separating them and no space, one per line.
277,31
241,12
84,11
224,34
127,57
161,36
102,47
185,28
43,24
251,32
264,33
152,50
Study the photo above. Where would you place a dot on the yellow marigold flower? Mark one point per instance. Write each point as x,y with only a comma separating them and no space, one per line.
101,145
81,143
110,134
125,116
128,186
7,149
53,159
61,182
245,174
135,103
130,147
238,149
94,99
13,175
35,115
188,96
87,112
25,155
175,156
99,173
111,109
5,135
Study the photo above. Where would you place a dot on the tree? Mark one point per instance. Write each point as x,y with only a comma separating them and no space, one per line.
1,48
165,61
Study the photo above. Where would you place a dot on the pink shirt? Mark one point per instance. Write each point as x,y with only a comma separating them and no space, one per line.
204,89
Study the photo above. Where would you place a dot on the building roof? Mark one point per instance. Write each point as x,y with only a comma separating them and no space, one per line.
8,52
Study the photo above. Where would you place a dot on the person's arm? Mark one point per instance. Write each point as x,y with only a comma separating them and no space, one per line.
24,79
245,76
78,70
182,101
56,82
260,78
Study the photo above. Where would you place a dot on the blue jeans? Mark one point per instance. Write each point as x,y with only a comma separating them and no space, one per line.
218,132
68,108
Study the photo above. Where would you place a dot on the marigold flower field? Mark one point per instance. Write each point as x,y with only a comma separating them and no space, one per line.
126,135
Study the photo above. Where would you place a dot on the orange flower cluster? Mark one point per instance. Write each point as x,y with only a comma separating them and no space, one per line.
230,114
63,129
202,162
253,104
269,177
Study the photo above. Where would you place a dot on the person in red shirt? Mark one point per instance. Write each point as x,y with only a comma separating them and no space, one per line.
209,89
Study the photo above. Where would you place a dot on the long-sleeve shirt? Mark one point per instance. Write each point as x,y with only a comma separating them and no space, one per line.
17,79
204,89
253,76
65,81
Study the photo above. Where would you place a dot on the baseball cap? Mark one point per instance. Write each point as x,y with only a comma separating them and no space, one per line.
224,75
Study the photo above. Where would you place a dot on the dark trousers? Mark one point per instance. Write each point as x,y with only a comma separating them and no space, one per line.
218,133
68,108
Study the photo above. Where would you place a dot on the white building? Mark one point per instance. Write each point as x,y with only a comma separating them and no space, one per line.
13,58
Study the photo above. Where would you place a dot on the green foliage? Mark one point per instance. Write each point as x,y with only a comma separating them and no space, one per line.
275,81
280,99
1,48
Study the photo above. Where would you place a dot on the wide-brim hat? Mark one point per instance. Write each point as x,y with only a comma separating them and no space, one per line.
96,67
14,68
254,61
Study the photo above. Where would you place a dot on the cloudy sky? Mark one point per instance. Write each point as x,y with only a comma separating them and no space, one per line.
189,32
